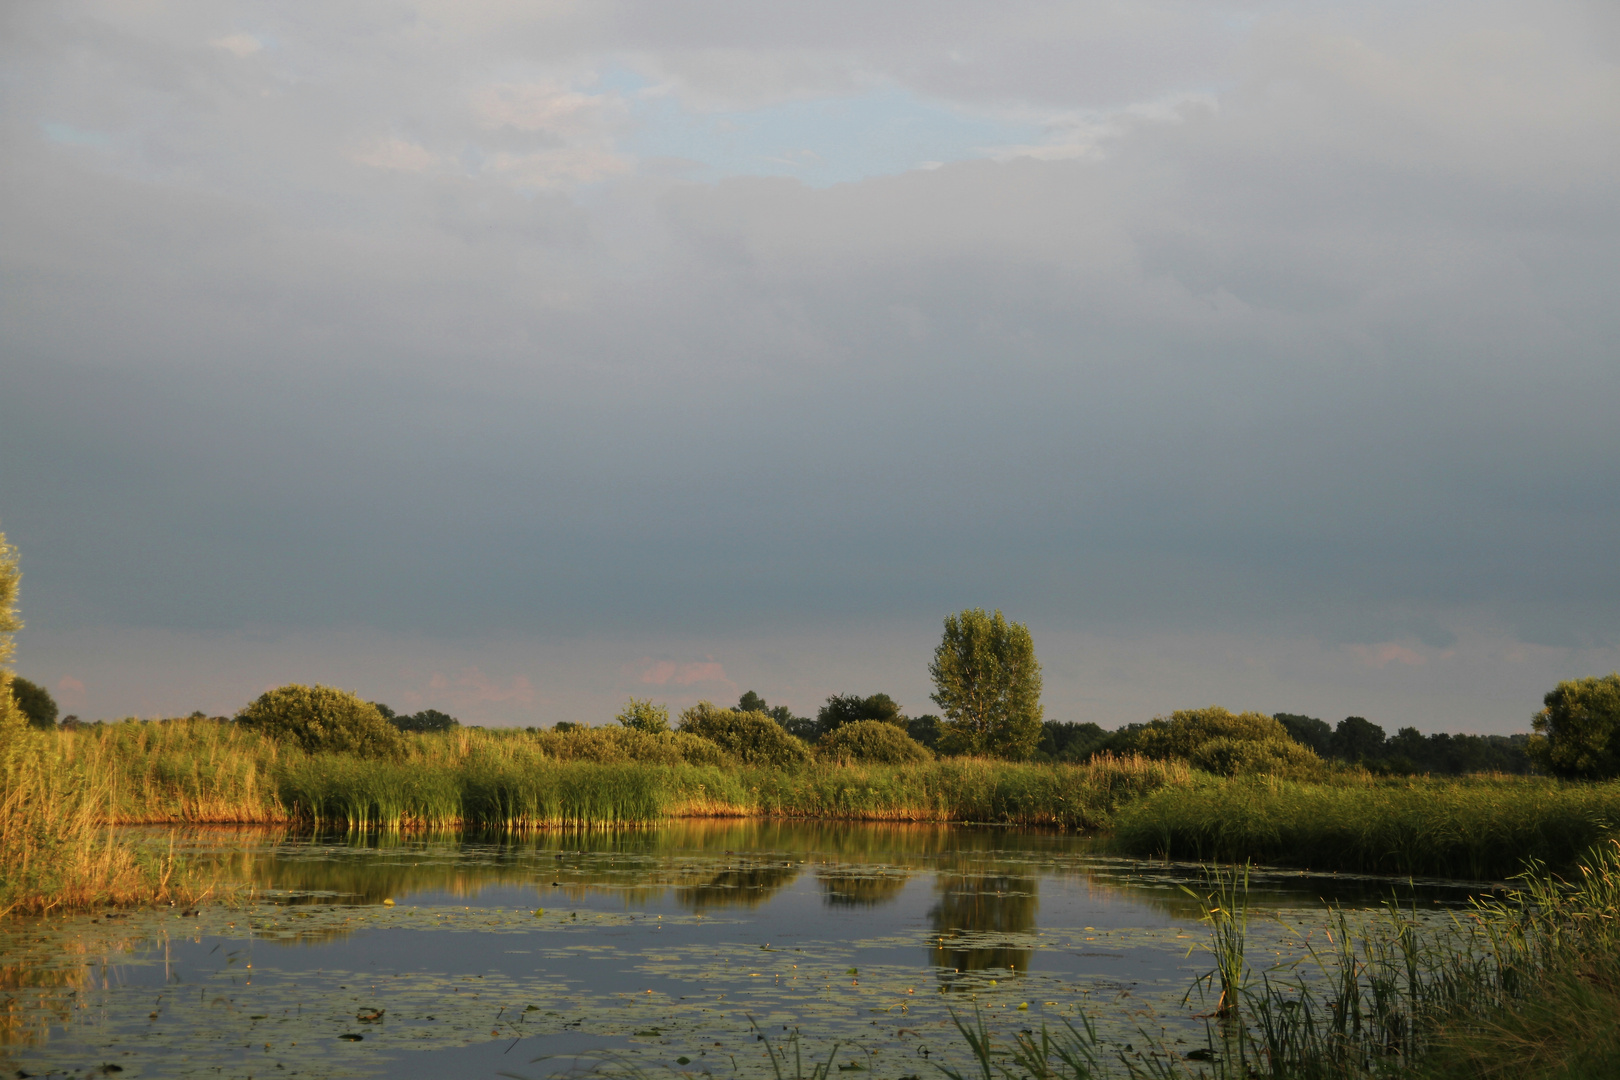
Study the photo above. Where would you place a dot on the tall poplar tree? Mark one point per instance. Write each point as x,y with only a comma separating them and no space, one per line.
988,682
12,720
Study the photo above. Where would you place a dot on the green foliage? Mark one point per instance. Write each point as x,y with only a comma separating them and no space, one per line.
35,701
1185,730
988,682
1226,756
874,741
1578,731
751,737
1065,740
1358,739
10,576
1308,731
607,745
322,719
425,721
12,719
924,729
844,709
800,726
643,715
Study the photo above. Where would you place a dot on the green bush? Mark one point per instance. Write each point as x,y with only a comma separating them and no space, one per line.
876,742
751,737
1578,733
1226,756
614,745
1185,730
639,715
323,719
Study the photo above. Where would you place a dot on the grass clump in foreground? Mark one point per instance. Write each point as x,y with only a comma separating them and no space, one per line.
1526,984
1484,827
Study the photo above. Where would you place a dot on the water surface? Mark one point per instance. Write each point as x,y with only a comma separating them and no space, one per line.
675,949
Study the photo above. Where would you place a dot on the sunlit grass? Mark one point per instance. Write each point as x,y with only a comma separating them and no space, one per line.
1471,827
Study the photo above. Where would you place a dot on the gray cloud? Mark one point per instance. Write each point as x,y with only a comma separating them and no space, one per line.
1324,353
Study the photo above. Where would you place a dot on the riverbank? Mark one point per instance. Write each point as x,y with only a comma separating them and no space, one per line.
72,784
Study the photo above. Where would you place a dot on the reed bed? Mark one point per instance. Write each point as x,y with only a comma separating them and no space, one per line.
1478,828
1526,983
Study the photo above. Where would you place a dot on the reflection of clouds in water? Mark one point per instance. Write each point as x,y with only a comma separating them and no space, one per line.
975,917
860,888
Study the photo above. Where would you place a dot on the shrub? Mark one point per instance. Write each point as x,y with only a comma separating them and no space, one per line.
613,745
641,715
751,737
1576,732
1227,743
875,742
322,719
1226,756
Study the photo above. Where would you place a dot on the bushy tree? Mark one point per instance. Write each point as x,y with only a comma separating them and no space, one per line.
323,719
35,701
844,709
1066,740
1578,730
1220,741
12,718
988,682
643,715
801,726
1358,739
1308,731
426,721
924,729
1185,730
873,742
751,737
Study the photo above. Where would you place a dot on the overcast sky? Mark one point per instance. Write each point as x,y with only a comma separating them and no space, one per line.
514,358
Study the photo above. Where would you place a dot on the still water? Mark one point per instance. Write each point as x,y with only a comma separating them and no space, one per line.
679,949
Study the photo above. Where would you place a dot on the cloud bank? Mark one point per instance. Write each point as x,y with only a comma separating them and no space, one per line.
1274,343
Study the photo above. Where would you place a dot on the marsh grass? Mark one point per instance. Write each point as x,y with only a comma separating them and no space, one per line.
58,850
1478,828
1526,983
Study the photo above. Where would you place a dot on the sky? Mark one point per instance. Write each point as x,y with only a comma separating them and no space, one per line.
514,359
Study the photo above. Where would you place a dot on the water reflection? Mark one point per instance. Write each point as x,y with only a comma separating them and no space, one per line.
746,886
860,888
979,919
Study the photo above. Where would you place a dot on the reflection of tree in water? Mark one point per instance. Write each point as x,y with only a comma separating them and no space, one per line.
745,885
856,888
973,912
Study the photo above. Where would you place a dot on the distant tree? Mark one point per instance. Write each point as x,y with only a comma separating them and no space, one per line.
925,729
1578,731
988,682
428,720
800,726
844,709
1220,741
387,713
567,725
35,701
1065,740
322,719
1357,739
1308,731
643,715
751,737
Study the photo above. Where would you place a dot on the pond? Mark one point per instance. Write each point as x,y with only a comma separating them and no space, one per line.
686,948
